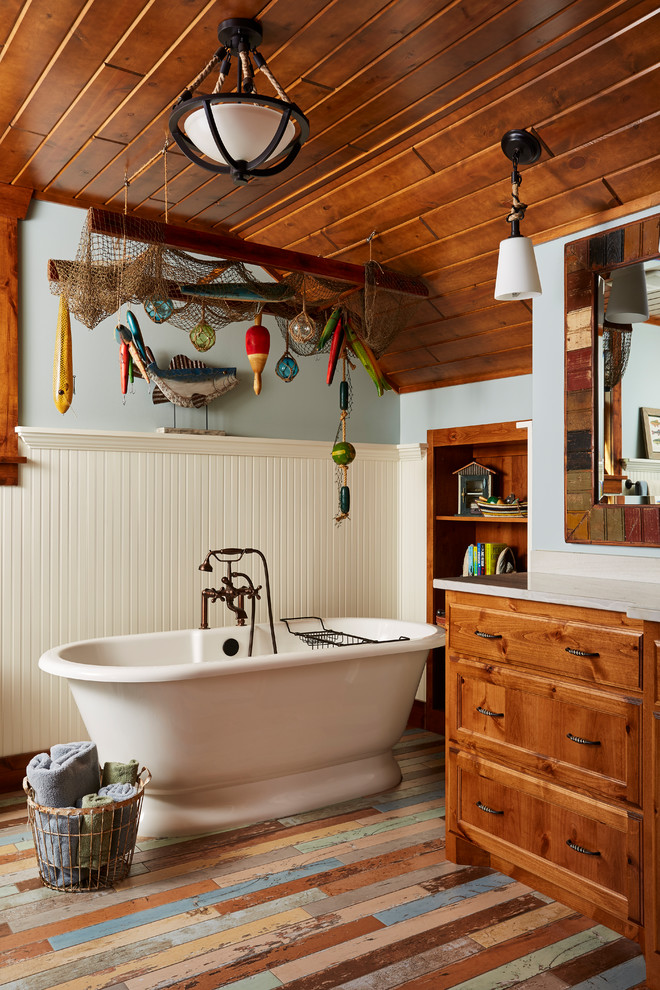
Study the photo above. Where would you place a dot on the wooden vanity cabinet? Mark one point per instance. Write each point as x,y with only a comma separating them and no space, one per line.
553,736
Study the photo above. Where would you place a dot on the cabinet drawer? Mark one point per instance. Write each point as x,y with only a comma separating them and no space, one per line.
579,737
544,834
598,653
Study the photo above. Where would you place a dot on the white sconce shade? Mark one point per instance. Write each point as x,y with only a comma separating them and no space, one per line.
517,274
246,130
628,301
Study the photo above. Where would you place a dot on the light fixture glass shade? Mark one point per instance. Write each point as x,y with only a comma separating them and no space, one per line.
246,130
517,274
628,301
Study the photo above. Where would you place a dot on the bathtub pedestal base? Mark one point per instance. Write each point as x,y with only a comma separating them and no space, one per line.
192,812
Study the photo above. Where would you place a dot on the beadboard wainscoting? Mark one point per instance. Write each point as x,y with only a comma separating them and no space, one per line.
105,533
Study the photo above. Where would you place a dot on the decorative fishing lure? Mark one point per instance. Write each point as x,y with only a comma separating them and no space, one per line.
63,361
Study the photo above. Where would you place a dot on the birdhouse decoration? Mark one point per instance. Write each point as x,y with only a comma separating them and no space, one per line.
474,481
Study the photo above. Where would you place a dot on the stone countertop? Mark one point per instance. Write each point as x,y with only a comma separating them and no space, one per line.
639,600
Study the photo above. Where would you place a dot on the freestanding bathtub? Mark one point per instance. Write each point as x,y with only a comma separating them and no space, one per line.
231,739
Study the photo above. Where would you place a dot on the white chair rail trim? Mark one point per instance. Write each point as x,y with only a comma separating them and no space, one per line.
166,443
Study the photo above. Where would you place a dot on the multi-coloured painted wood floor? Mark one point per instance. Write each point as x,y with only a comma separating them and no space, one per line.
358,896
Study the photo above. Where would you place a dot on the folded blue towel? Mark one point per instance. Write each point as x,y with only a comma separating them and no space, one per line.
57,848
61,779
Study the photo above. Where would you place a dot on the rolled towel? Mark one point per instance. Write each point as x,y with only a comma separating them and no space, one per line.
96,832
61,779
120,773
57,848
125,819
118,792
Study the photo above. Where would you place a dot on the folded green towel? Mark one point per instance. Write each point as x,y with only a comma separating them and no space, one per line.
95,832
120,773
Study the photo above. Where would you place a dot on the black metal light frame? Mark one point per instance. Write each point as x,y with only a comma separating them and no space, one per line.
239,35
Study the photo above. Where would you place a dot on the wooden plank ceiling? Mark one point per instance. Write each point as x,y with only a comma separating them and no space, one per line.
407,102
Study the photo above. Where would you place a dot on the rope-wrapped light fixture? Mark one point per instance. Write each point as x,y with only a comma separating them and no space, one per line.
242,133
517,274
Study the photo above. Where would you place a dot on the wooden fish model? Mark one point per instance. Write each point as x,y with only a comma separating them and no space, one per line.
63,361
189,383
240,291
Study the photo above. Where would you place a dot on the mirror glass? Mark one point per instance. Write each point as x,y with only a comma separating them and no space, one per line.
612,353
627,380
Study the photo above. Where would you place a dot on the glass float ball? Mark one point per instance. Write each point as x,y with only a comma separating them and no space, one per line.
302,328
202,337
343,452
159,309
287,368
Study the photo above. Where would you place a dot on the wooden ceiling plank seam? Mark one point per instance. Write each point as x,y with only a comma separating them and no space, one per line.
298,190
78,37
20,8
467,121
534,76
164,58
461,328
557,164
260,234
423,28
412,192
408,358
427,181
293,242
81,120
481,365
490,375
38,70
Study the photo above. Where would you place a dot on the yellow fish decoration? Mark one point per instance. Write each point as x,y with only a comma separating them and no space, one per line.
63,361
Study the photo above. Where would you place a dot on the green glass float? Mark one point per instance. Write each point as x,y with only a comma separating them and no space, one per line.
202,337
159,310
343,452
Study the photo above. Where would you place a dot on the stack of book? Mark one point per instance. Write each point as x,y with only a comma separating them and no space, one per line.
481,558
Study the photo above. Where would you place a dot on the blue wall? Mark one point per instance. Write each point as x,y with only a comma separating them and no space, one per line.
304,409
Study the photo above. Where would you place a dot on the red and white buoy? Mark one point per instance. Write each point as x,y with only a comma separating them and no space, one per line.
257,346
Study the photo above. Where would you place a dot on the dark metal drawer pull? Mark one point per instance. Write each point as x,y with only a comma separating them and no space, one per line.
581,849
485,711
580,653
581,741
487,635
491,811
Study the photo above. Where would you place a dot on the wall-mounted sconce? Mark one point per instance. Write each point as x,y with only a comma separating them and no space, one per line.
628,301
241,133
517,274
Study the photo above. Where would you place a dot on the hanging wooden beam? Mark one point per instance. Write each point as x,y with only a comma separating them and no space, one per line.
234,249
223,246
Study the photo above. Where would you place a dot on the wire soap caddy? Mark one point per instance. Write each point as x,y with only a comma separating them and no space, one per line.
319,637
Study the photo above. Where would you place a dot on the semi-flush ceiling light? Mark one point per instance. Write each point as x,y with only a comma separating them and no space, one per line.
517,274
628,301
241,134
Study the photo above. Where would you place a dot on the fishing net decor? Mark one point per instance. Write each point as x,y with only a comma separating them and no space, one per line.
617,338
390,301
111,270
124,261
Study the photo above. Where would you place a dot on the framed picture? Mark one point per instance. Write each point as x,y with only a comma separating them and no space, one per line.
651,425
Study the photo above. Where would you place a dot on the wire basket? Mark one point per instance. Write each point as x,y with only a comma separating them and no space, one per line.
85,848
317,638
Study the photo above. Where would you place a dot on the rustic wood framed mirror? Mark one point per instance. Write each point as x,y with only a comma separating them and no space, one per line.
592,515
